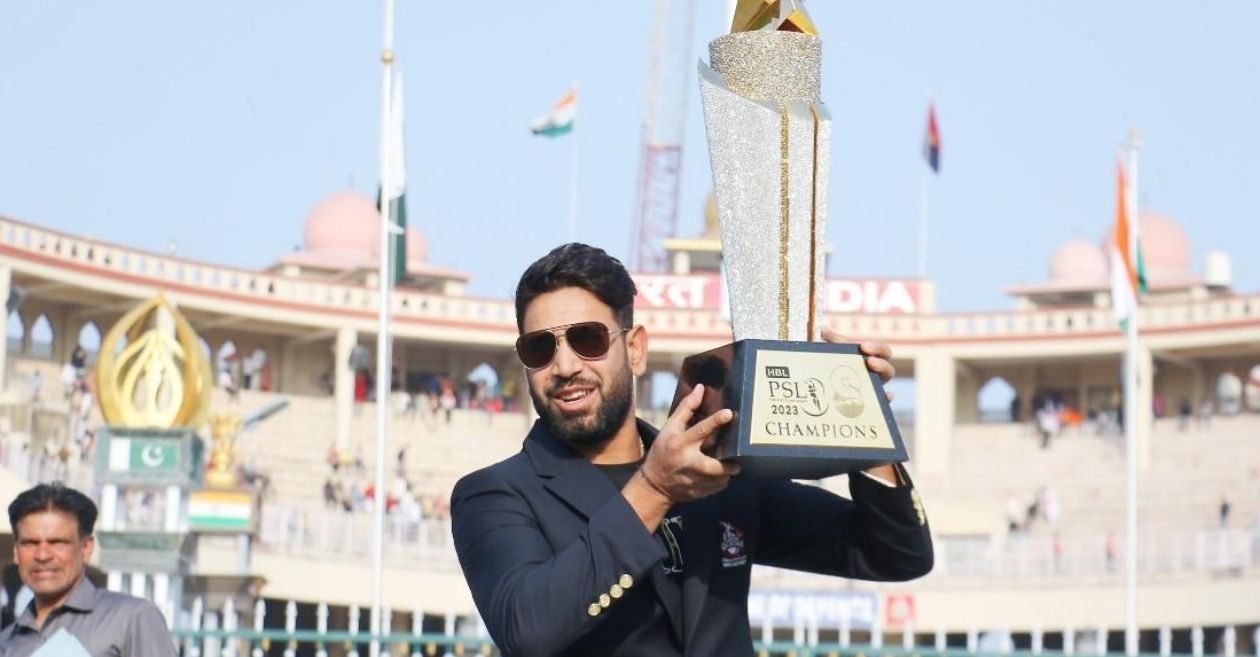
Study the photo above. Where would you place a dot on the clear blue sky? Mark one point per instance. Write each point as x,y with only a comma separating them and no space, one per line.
220,123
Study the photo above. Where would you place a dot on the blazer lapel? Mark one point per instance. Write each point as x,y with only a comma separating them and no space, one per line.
584,488
700,565
670,596
569,475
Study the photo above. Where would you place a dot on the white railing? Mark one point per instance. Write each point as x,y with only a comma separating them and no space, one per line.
250,285
333,534
497,314
1018,557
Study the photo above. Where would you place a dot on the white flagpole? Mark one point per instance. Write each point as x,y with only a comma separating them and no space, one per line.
924,209
1132,419
384,359
573,175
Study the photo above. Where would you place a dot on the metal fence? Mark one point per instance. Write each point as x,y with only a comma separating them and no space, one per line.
218,633
241,643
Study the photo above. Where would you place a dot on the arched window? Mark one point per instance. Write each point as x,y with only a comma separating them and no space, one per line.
1229,389
42,337
15,332
90,340
1251,389
483,388
996,400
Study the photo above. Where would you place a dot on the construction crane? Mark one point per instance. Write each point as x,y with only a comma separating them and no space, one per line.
664,123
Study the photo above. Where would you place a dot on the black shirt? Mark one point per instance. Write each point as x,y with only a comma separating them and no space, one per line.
620,473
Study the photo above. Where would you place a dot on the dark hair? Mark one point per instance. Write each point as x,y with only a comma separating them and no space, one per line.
579,265
54,497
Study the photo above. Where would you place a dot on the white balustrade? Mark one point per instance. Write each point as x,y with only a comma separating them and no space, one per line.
498,314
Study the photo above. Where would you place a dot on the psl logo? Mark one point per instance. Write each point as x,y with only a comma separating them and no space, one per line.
808,394
847,398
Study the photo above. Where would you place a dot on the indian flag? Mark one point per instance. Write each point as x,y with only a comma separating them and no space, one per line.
1128,276
558,121
220,510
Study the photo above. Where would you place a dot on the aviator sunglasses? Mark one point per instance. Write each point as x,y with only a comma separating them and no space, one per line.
589,340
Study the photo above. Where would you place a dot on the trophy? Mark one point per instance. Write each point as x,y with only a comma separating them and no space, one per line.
803,408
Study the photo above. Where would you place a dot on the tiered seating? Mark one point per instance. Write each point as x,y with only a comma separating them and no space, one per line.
292,446
1181,489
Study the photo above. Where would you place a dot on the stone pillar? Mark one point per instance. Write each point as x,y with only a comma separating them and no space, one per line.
1082,389
6,280
934,374
452,367
1198,384
1145,405
284,374
73,327
967,397
28,322
63,342
139,585
1025,384
682,263
343,384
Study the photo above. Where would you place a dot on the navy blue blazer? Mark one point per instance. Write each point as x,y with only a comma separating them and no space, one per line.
559,563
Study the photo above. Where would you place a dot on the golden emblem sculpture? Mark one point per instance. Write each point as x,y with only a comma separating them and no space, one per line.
152,371
224,429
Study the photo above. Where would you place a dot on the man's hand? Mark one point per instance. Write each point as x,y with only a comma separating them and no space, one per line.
878,360
675,467
878,356
675,470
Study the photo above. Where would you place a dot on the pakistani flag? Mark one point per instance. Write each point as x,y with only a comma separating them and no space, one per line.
559,121
397,180
143,454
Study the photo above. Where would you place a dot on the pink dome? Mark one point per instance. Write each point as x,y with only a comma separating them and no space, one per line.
342,222
417,246
347,222
1080,261
1165,247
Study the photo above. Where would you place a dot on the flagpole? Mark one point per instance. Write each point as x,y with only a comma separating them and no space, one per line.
573,174
925,203
1131,417
383,342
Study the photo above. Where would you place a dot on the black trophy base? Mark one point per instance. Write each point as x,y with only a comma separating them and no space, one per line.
803,410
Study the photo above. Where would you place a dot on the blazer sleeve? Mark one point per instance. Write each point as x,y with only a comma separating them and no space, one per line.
534,600
881,535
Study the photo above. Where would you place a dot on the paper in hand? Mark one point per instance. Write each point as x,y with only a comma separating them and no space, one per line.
62,644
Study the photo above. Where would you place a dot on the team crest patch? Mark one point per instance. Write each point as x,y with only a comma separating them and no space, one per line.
733,553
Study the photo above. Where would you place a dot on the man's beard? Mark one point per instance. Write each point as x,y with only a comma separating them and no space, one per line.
588,431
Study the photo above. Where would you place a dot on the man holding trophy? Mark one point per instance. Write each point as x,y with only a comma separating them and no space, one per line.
604,536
